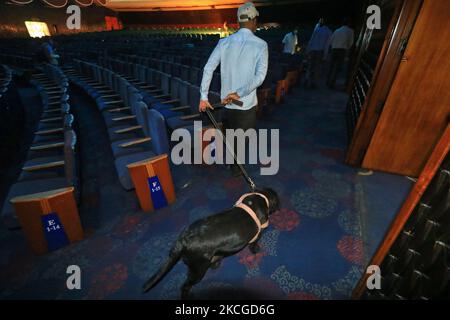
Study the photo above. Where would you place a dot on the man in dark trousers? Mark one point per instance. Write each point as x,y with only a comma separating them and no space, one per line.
243,59
340,43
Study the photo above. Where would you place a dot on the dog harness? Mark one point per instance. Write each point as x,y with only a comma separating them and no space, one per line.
252,213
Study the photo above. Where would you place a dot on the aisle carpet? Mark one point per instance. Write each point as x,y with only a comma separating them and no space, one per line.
313,249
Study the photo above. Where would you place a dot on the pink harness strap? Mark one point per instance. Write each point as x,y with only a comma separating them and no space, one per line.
252,213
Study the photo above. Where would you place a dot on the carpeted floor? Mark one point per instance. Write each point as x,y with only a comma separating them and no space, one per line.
314,247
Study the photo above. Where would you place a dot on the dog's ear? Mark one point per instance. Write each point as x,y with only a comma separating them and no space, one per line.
274,200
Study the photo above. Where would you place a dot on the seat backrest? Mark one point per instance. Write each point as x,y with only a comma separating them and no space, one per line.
194,76
167,67
70,161
194,98
141,117
141,72
174,87
184,72
176,69
157,78
165,83
158,131
183,92
123,91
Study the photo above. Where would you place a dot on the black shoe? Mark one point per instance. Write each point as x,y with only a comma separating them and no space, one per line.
235,172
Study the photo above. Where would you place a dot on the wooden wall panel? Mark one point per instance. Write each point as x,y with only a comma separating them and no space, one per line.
418,106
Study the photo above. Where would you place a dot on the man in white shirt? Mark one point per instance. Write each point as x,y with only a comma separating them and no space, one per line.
243,59
340,42
315,50
290,42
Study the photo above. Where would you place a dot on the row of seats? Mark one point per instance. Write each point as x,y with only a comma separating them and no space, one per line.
5,78
135,132
191,73
167,53
280,78
18,61
52,159
176,99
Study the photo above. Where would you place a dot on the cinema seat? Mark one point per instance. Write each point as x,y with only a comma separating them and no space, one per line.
9,217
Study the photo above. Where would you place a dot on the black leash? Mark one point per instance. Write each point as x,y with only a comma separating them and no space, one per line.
216,125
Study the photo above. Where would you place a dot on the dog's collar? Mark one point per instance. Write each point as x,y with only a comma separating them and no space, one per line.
252,213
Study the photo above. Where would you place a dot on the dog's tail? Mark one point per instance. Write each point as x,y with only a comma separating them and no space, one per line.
174,256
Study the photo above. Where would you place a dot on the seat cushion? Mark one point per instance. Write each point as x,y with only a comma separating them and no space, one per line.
166,112
176,122
48,138
103,105
108,116
149,99
59,151
49,173
119,151
8,215
122,170
122,136
49,125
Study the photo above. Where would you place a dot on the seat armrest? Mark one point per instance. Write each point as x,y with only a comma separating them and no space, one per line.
50,131
119,109
124,118
180,108
192,116
47,146
170,101
129,129
47,165
51,119
135,142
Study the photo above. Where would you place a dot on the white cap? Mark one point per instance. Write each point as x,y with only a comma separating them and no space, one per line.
247,12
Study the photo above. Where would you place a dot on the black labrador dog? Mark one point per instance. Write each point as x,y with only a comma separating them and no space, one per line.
204,243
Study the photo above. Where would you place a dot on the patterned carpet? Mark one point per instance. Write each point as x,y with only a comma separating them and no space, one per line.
313,248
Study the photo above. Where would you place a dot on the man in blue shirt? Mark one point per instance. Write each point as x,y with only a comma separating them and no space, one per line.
48,49
243,59
315,50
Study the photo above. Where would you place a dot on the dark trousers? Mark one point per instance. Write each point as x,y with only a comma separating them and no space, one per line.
315,66
239,119
337,60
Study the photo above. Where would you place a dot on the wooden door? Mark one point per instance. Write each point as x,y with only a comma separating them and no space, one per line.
374,72
416,111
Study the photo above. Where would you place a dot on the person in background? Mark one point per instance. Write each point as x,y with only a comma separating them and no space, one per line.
48,49
225,33
315,51
340,43
243,59
290,42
